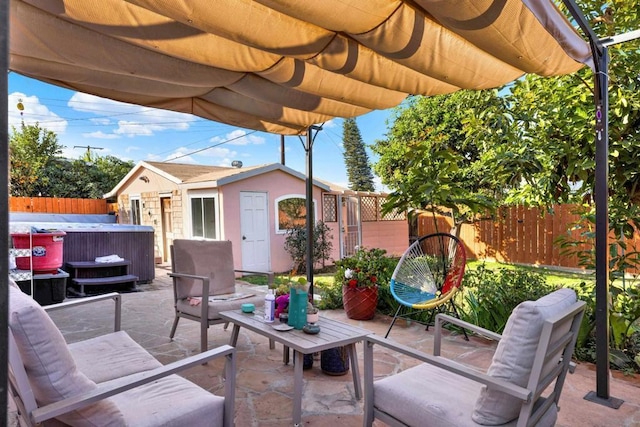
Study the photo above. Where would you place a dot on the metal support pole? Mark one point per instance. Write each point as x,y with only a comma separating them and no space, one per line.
282,149
308,148
600,56
601,78
4,201
309,208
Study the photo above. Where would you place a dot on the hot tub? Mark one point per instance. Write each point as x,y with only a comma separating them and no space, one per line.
85,241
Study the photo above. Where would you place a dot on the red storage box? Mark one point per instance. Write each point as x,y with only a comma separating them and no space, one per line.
46,250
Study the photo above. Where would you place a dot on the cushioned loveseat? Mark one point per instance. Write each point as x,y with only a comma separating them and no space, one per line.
108,380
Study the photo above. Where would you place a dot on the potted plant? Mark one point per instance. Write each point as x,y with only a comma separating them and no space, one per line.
312,313
358,275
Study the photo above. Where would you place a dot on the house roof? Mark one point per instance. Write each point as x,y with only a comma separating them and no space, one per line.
217,176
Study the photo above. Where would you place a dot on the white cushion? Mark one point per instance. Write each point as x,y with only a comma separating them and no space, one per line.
51,369
427,396
170,402
111,356
514,355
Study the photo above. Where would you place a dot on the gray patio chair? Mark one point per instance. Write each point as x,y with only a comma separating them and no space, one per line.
203,270
521,387
105,380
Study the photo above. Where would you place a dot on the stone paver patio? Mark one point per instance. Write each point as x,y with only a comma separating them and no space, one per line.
265,384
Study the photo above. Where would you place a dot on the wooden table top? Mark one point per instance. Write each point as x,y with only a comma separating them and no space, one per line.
332,332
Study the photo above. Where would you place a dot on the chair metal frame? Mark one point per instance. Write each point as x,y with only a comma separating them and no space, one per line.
32,414
535,400
203,318
447,281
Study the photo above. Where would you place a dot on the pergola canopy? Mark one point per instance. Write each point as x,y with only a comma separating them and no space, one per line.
281,66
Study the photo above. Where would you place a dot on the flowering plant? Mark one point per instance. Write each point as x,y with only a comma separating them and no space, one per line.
362,269
357,278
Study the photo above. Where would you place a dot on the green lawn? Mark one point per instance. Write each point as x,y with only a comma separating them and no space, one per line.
554,276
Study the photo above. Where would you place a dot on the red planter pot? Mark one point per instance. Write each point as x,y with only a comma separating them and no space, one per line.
360,303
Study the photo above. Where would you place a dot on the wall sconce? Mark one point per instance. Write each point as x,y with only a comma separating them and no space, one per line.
144,178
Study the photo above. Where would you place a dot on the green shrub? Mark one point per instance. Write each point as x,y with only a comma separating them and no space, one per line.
330,295
624,327
489,296
295,244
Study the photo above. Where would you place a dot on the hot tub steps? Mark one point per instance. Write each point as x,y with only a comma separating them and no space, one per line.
101,277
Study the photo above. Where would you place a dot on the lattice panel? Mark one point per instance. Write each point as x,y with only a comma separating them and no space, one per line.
369,208
394,215
330,207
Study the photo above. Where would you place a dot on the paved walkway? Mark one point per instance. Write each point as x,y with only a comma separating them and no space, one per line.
265,384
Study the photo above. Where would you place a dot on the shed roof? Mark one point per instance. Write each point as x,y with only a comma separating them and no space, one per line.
217,176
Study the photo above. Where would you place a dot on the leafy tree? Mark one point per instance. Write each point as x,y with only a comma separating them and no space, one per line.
557,117
532,144
112,170
38,170
432,161
32,150
536,146
356,158
81,179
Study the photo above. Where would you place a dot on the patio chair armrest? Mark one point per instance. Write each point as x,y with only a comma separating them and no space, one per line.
204,306
113,387
205,281
115,296
270,275
438,361
186,276
442,318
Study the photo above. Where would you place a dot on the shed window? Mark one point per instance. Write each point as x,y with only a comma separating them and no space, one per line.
203,217
291,212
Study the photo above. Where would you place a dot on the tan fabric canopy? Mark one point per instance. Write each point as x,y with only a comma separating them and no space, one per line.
282,65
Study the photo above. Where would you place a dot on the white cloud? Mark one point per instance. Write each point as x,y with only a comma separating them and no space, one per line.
154,157
131,148
33,112
225,162
180,155
100,135
218,152
330,124
140,121
238,137
100,121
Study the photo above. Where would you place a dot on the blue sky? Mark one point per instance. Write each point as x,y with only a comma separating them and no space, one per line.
139,133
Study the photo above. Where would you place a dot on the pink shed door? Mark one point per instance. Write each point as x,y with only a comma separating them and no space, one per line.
254,229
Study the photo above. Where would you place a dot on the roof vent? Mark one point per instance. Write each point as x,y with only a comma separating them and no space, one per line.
236,164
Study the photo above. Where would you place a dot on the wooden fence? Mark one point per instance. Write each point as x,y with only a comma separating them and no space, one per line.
58,205
516,235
